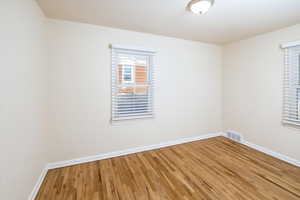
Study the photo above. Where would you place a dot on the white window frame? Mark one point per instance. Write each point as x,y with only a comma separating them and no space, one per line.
291,84
149,99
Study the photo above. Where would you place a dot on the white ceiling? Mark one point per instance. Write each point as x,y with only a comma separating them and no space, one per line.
226,21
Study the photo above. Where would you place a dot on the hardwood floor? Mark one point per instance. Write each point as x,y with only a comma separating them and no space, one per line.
212,169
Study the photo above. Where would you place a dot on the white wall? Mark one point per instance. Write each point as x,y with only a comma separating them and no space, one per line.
23,137
252,91
70,70
187,94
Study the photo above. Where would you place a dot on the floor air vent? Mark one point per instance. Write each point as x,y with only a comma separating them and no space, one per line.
234,136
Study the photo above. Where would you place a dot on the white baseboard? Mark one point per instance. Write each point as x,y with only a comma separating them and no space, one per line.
38,184
111,155
128,151
147,148
273,153
267,151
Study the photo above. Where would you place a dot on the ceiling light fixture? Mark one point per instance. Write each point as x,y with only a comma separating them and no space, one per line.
199,6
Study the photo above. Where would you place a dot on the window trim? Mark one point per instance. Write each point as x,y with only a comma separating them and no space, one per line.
291,84
290,44
136,51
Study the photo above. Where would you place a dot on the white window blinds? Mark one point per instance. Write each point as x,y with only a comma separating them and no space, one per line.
132,83
291,100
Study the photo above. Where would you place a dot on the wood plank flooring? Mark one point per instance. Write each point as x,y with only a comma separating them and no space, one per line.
212,169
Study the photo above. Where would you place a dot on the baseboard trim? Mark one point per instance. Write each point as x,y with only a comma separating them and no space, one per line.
273,153
147,148
111,155
128,151
38,184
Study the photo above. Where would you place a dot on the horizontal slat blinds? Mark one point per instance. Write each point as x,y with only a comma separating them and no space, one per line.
132,83
291,86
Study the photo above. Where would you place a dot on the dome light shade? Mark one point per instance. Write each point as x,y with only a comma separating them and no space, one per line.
200,6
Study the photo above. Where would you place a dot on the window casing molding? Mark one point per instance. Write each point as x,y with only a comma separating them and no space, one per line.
132,83
291,84
290,44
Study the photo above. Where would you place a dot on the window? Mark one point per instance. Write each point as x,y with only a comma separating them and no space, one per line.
132,83
128,73
291,105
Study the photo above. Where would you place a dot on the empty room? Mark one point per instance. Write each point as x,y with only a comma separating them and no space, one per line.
150,100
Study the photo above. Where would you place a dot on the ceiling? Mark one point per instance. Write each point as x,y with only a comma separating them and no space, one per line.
226,21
